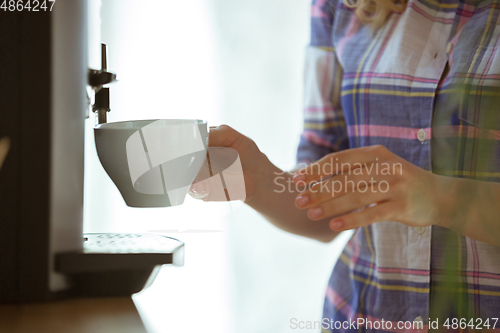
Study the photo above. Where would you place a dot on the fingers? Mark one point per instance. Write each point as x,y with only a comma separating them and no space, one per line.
340,185
344,204
220,178
341,162
220,136
383,211
213,189
230,154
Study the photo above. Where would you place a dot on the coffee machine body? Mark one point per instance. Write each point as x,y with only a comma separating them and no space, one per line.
43,82
43,89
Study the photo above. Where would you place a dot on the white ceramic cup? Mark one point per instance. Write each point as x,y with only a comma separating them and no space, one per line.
152,162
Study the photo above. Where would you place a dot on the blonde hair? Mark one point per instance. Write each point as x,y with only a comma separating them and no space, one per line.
375,12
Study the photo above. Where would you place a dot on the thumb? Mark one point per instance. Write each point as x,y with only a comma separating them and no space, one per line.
223,136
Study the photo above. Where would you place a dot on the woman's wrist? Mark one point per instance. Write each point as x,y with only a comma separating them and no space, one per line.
257,183
269,181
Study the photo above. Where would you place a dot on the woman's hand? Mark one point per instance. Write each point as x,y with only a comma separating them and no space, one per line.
362,186
253,162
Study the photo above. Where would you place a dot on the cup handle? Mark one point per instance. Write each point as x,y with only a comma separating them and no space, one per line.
209,130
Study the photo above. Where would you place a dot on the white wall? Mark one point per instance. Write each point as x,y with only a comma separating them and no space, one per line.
238,62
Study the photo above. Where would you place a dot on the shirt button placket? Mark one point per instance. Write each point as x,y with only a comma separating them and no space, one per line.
420,230
421,135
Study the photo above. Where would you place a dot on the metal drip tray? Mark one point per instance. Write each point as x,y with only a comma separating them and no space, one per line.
129,243
118,264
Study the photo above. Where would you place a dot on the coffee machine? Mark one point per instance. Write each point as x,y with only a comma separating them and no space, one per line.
44,84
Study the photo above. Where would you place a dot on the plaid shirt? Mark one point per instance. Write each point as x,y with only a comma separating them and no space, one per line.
425,86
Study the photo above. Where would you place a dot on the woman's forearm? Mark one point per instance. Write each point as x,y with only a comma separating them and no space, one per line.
275,200
471,207
264,189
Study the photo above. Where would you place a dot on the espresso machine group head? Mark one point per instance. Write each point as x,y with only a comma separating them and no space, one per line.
98,81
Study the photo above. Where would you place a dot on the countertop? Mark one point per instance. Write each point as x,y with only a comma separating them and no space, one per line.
94,315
